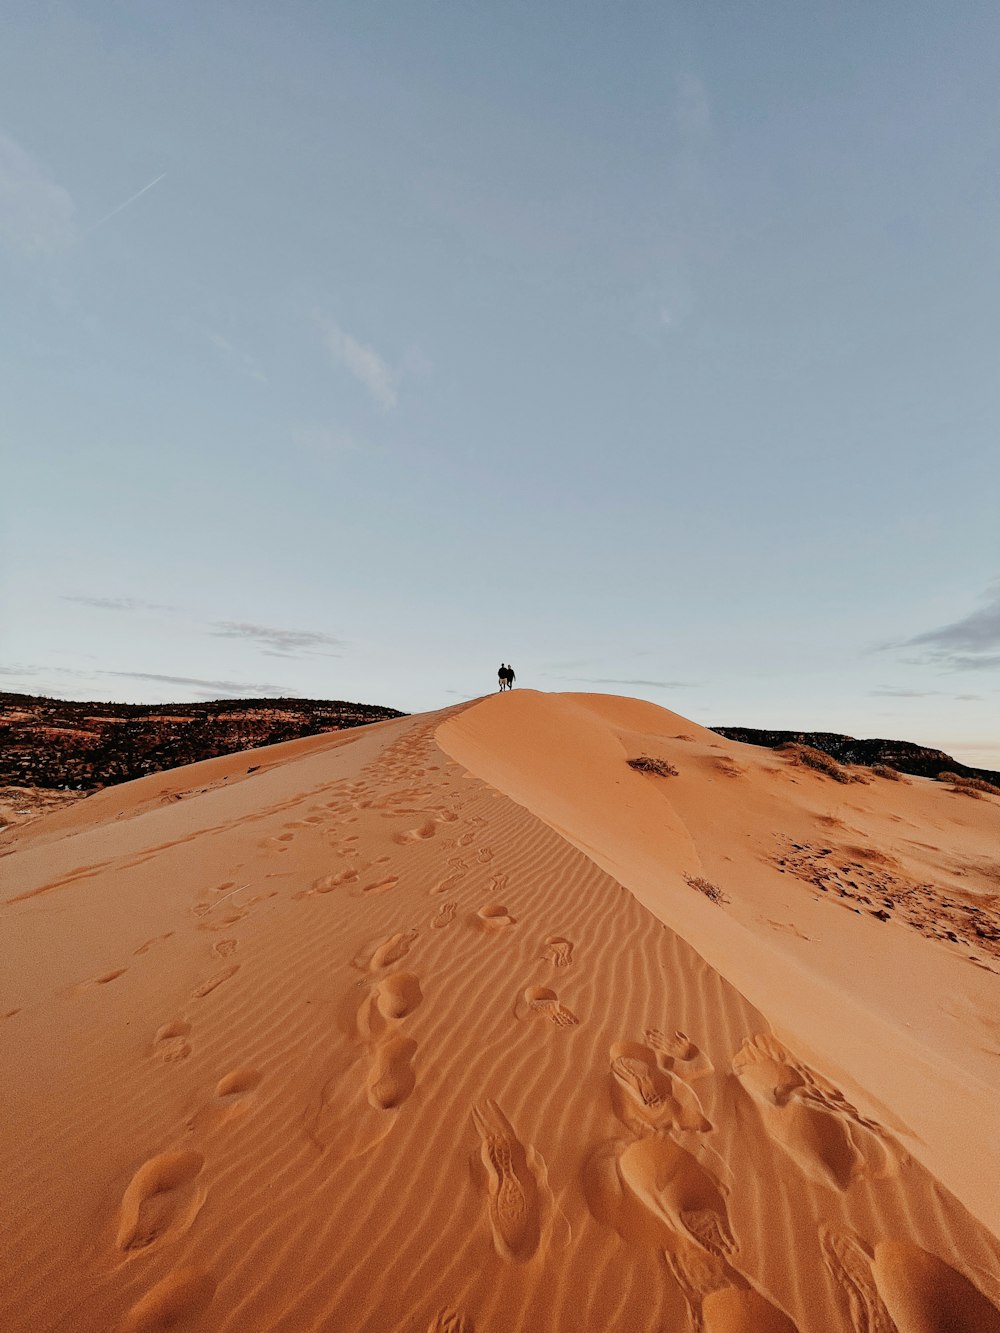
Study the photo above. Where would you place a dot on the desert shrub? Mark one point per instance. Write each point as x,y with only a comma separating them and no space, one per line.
647,764
969,786
884,771
816,759
710,890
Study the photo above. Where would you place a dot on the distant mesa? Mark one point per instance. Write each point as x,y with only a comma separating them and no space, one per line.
50,746
902,756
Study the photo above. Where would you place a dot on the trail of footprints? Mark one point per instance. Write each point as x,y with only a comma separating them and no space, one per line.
658,1178
166,1193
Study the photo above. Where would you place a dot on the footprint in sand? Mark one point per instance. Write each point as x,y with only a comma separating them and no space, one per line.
447,885
734,1310
678,1192
237,1084
381,885
170,1044
449,1321
145,948
224,948
181,1296
226,919
654,1191
391,1079
901,1288
494,916
392,950
419,834
558,951
398,995
444,916
512,1189
811,1120
851,1266
541,1000
484,856
212,983
923,1294
161,1198
107,977
679,1054
327,883
646,1096
279,844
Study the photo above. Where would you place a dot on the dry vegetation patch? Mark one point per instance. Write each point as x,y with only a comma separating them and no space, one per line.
976,787
647,764
819,760
711,891
884,771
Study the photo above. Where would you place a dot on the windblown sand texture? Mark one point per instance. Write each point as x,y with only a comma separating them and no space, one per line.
435,1025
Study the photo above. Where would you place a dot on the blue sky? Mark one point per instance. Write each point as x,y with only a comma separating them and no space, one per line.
348,349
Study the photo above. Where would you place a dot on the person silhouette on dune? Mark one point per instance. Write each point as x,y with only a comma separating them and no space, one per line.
510,676
502,677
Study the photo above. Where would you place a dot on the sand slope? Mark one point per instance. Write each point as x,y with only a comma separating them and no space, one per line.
423,1027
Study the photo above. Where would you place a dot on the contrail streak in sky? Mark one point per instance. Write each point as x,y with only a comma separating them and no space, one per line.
131,200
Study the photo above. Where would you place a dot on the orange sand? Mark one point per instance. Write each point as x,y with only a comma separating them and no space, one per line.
457,1023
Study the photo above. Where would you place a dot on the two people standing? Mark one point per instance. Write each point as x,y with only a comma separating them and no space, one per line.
505,676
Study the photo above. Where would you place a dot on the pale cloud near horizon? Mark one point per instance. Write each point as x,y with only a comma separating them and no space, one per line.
237,687
274,641
900,692
37,215
618,680
362,362
969,644
279,642
116,603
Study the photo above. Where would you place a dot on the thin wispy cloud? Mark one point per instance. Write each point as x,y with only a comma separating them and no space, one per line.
116,603
37,216
130,200
237,687
362,362
894,692
280,642
273,640
969,644
640,683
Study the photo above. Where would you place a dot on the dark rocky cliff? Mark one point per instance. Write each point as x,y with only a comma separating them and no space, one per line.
56,743
904,756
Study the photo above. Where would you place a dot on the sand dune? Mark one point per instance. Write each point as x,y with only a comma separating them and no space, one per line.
458,1023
